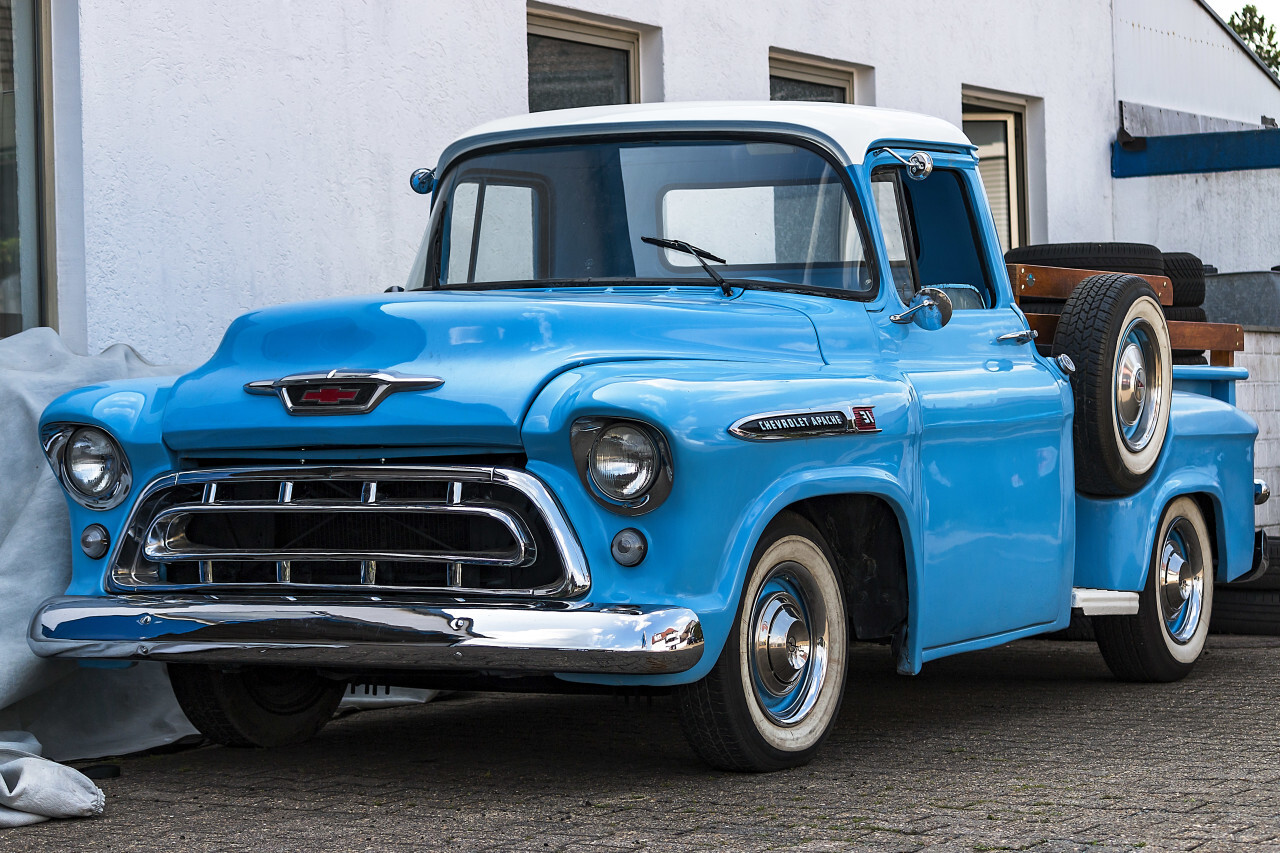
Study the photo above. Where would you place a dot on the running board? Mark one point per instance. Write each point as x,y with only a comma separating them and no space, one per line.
1104,602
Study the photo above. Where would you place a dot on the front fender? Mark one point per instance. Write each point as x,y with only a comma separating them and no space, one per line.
726,489
130,410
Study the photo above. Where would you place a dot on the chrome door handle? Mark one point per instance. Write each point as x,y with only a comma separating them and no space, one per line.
1025,336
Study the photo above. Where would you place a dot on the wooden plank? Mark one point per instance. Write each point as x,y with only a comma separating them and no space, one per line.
1045,325
1036,282
1212,336
1222,340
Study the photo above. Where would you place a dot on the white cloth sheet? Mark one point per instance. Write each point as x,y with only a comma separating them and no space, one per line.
34,789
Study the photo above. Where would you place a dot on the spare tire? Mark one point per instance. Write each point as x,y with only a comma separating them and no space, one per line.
1113,329
1186,271
1138,258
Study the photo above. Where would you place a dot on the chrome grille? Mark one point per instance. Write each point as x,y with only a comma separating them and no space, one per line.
456,530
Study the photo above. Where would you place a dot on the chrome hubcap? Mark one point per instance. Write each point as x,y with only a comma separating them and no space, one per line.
1181,581
787,644
781,643
1138,391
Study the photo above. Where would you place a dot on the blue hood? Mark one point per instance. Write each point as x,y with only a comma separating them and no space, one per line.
495,350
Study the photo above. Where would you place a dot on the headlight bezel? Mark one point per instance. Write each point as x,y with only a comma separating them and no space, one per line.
57,441
583,438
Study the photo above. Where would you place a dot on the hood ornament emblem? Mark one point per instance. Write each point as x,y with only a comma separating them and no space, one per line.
339,392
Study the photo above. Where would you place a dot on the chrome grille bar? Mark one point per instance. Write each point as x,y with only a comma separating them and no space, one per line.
284,568
454,497
166,540
369,568
210,496
138,561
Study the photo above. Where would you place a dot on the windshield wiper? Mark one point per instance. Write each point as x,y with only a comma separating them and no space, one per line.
698,255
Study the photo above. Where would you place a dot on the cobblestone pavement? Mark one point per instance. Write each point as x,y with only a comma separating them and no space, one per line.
1032,746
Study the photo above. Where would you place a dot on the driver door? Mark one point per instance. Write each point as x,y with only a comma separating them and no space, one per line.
996,480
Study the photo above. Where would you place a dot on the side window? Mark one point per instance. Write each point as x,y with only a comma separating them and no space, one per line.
493,233
893,225
936,232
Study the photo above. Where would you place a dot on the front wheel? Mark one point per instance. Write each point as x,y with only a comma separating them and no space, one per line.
1165,638
255,706
774,693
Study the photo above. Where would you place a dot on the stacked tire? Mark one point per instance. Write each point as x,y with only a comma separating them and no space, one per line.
1184,269
1135,258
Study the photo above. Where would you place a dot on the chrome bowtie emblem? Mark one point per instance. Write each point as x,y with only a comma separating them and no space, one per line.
339,392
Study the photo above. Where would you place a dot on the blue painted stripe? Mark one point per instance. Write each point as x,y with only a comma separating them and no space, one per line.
1195,153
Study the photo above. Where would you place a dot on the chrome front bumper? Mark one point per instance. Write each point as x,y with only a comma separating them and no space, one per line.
367,632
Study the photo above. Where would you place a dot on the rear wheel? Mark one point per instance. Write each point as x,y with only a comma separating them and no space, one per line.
255,706
774,693
1163,640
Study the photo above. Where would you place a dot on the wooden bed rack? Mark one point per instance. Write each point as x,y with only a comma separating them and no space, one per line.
1222,340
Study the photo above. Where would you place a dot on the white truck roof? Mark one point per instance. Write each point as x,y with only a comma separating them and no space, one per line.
850,129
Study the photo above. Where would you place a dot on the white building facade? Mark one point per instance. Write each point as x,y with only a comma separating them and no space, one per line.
189,162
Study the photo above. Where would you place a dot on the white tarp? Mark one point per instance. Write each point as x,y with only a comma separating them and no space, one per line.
34,789
75,712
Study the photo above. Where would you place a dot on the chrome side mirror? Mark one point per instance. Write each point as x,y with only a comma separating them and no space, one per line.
930,309
423,181
919,166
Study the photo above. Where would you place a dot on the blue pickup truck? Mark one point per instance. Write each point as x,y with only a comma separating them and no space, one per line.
678,397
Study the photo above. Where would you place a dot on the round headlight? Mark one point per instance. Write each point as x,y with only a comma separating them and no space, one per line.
92,462
623,462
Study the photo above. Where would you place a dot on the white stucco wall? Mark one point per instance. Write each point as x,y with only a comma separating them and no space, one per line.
242,153
1173,54
239,154
1229,219
1260,397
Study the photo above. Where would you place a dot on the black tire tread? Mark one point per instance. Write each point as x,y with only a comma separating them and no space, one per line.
1041,306
1185,313
1139,258
214,710
701,705
1246,611
1186,271
1122,643
200,702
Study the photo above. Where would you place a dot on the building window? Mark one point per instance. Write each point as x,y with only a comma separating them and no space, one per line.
999,132
20,247
577,64
795,79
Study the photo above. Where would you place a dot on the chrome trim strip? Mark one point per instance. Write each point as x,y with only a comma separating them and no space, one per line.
849,411
166,541
577,576
1104,602
367,632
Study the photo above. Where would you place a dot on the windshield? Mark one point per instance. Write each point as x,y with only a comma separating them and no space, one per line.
774,212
